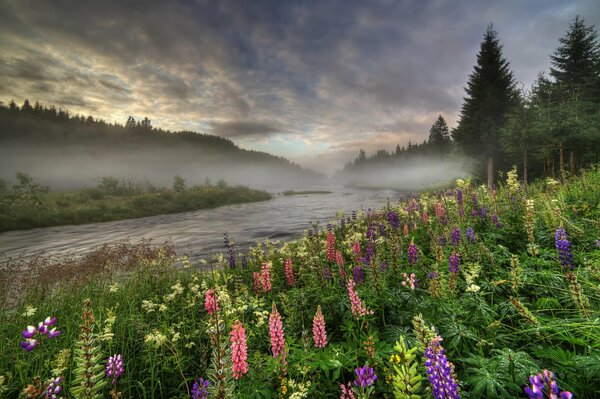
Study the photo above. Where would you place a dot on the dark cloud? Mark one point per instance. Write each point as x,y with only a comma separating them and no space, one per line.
332,74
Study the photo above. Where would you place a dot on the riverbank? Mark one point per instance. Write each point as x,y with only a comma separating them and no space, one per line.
29,205
507,279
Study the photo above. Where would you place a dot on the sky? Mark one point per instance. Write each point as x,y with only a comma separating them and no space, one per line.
313,81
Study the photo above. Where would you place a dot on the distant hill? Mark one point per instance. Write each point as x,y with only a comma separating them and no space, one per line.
70,151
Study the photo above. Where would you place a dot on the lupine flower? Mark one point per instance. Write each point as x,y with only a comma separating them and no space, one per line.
406,231
425,217
29,344
256,286
319,332
54,388
265,277
229,248
454,261
365,376
200,389
470,234
440,213
114,368
330,247
359,274
459,201
455,236
356,250
326,273
384,267
497,222
358,309
211,302
30,332
413,253
392,218
563,246
239,350
410,280
289,272
442,241
276,333
483,211
439,371
545,384
474,202
347,392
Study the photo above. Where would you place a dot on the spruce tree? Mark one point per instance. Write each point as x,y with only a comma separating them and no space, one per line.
491,94
439,137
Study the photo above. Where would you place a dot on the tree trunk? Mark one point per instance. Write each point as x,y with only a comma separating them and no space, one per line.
490,172
562,162
572,162
525,166
553,166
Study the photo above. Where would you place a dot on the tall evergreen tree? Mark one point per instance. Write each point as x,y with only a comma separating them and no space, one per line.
439,137
491,94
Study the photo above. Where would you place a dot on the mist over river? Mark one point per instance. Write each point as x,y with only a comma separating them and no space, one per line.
200,233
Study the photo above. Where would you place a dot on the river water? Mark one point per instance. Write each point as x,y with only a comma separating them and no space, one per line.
200,233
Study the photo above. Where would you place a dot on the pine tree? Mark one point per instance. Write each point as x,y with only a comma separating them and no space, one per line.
490,96
439,137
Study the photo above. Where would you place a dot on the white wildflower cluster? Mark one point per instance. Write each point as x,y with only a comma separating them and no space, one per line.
61,362
185,262
470,272
29,311
176,291
149,306
114,288
512,180
299,389
155,338
107,334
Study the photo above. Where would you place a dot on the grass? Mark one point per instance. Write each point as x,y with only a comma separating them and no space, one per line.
511,310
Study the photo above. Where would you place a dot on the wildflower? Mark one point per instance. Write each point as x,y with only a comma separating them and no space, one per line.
544,383
425,217
455,236
256,287
330,247
483,212
405,231
365,376
200,389
114,368
358,309
471,234
239,351
454,261
563,246
440,213
410,280
439,371
265,277
155,338
356,249
211,302
30,332
459,201
496,221
319,332
29,344
413,253
54,388
442,241
347,392
276,332
359,274
392,218
289,272
29,311
114,288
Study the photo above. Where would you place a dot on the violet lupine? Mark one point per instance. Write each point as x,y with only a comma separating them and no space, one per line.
347,392
459,201
114,368
454,261
211,302
358,309
442,241
544,384
496,221
563,246
392,218
289,272
30,343
384,267
413,253
365,376
455,236
200,389
330,247
359,274
439,371
265,277
470,234
229,248
54,388
276,333
319,332
239,350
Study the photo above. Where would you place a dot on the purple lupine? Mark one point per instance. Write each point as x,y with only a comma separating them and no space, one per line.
442,241
459,201
30,332
392,218
371,233
563,247
326,273
471,234
365,376
454,261
359,274
474,212
114,368
229,248
544,384
54,388
369,252
483,212
200,389
384,267
455,236
497,222
29,344
413,253
439,371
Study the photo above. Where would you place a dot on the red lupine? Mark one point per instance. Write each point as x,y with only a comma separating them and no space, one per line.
239,350
289,272
276,332
358,309
211,302
265,277
319,332
330,247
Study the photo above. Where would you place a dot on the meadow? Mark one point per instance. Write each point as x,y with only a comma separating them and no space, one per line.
470,292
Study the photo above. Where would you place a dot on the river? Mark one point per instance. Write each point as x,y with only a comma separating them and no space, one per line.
199,233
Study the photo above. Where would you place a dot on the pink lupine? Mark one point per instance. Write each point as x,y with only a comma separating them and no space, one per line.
211,302
289,272
319,332
439,211
257,284
347,392
357,251
358,309
425,217
339,259
410,280
330,247
239,350
276,332
265,277
406,231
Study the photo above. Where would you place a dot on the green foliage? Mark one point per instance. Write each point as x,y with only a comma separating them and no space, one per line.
406,378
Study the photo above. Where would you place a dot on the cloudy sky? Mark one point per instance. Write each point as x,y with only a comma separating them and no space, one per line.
313,81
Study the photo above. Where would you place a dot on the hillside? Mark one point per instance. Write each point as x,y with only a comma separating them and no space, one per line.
66,151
